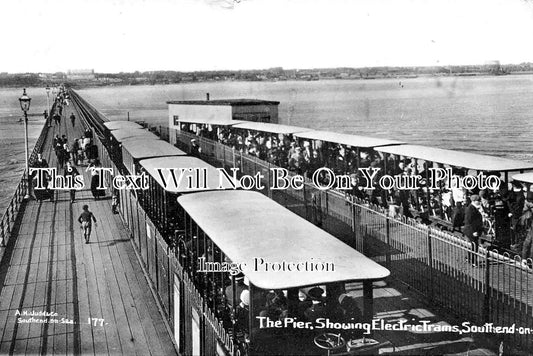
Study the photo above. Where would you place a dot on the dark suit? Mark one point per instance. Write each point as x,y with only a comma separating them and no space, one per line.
473,224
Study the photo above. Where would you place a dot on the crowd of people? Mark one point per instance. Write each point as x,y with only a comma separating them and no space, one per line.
69,154
505,211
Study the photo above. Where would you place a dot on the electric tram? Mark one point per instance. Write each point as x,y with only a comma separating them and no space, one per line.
170,177
463,169
136,149
301,283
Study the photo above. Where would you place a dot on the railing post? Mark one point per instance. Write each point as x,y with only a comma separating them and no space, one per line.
486,302
430,264
305,204
387,229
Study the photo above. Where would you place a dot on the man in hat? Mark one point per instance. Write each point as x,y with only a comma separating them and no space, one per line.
317,309
239,288
516,206
195,148
473,227
501,220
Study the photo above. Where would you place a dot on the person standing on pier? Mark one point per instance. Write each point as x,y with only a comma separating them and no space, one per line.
57,119
85,219
72,119
473,228
71,172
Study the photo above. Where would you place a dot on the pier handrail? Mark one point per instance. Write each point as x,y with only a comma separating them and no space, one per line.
11,212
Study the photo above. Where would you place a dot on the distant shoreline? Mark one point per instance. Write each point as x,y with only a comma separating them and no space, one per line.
93,79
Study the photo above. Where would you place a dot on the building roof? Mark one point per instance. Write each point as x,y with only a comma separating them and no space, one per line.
247,225
457,159
346,139
230,102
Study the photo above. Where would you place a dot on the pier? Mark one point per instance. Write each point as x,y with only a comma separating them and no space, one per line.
119,290
100,299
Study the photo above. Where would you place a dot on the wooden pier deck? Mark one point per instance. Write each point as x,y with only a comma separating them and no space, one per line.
100,287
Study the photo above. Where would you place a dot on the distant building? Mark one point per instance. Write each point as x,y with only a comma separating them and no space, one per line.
221,111
81,74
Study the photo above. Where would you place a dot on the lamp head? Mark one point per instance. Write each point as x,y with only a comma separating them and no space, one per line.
25,101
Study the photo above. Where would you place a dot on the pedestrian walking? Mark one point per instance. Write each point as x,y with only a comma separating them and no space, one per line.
86,219
72,119
72,172
95,178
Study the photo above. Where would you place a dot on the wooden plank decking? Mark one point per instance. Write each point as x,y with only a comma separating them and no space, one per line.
47,267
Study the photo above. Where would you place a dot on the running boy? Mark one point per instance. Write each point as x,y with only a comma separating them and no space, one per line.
85,220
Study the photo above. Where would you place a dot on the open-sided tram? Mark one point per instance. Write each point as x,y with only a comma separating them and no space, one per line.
299,281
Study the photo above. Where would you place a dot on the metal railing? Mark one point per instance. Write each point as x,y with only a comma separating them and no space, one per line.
162,265
11,212
435,263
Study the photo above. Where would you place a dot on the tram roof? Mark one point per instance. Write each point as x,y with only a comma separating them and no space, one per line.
346,139
123,134
140,148
272,128
187,162
247,225
457,158
524,177
117,125
212,121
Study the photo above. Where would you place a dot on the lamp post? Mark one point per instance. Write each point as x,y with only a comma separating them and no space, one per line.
48,103
25,101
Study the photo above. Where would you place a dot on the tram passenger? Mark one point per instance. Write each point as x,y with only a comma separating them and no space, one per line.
242,314
239,288
473,227
318,308
350,313
275,306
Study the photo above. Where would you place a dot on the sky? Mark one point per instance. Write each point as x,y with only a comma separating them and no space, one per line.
188,35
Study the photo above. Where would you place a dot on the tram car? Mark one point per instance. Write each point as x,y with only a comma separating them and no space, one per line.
136,149
170,177
301,285
461,168
345,154
116,137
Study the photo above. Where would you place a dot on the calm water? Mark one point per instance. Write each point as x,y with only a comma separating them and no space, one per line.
12,136
489,115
